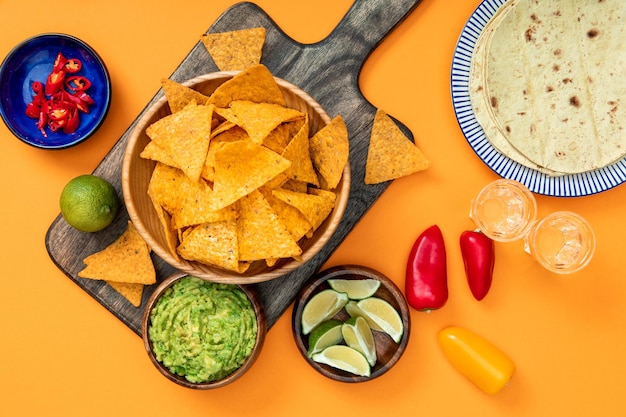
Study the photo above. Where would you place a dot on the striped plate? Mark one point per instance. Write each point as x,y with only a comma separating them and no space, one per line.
574,185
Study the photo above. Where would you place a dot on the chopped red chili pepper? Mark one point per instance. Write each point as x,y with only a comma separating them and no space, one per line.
73,65
54,82
77,83
59,62
52,105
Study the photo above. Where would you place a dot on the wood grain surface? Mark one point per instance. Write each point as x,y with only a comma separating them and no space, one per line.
329,72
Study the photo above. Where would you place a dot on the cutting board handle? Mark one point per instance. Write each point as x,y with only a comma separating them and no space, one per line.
367,22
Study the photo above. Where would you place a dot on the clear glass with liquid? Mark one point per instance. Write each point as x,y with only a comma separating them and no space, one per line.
563,242
504,210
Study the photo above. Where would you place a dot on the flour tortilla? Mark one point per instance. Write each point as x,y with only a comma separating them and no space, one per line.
547,80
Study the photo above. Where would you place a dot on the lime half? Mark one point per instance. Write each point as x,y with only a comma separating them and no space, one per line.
325,334
344,358
358,335
321,307
357,289
384,315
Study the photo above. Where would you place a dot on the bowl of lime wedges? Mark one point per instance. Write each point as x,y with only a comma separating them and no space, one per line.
351,323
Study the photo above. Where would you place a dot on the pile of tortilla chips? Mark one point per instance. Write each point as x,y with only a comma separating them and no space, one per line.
125,265
239,176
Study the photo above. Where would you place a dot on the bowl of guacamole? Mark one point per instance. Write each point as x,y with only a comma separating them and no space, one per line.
202,334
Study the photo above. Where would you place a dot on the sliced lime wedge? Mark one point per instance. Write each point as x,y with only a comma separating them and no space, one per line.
357,289
325,334
344,358
358,335
384,315
321,307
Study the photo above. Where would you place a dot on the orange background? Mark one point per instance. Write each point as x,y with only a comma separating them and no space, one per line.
63,354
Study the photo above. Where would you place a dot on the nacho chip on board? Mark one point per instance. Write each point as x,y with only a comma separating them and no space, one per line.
391,154
127,259
178,95
260,232
237,49
330,151
132,292
185,137
255,84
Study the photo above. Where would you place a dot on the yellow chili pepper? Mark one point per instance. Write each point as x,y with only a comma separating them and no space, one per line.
476,358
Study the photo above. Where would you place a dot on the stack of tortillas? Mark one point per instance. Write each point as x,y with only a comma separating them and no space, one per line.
548,83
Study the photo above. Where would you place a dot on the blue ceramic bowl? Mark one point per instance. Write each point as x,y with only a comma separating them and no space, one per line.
32,60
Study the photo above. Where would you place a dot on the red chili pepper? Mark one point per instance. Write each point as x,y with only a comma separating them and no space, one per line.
54,82
426,285
43,118
77,83
73,120
73,65
479,259
59,62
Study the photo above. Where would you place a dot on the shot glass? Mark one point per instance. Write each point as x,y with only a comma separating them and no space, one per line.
504,210
563,242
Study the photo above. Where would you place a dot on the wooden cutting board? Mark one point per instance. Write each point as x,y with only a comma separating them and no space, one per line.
328,71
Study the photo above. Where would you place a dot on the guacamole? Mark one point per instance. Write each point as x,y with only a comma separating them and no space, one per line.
202,330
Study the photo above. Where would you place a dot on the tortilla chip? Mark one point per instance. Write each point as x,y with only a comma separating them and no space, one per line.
330,151
212,243
290,216
255,84
240,168
127,259
278,139
164,185
185,137
297,152
178,95
315,208
260,232
237,49
391,154
156,153
132,292
294,185
258,119
171,234
231,135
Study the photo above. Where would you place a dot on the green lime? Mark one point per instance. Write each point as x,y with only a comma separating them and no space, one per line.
358,335
345,358
357,289
325,334
89,203
384,315
354,311
321,307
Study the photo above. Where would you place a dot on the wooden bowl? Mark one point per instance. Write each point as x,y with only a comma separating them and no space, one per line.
136,173
260,339
388,352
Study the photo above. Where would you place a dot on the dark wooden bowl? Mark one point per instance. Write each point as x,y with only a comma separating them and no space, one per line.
388,352
261,332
